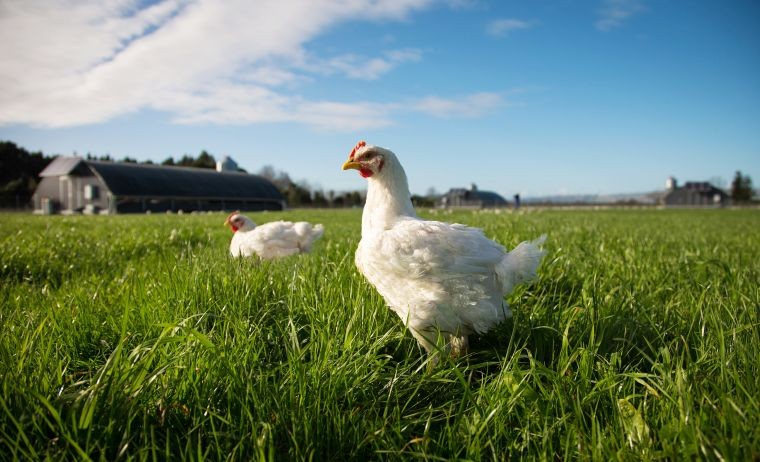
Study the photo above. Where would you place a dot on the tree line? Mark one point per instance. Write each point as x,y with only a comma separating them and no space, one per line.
204,160
20,169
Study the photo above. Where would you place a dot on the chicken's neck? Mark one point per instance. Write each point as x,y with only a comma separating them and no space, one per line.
388,200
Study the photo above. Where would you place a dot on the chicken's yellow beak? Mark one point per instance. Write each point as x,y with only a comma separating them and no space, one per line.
228,220
350,164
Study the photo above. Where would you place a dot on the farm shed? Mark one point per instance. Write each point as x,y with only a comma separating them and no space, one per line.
74,184
693,194
472,198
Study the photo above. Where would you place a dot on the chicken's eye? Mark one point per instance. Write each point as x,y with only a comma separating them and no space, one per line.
369,156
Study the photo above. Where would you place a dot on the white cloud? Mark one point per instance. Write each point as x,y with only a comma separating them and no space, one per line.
467,106
465,4
358,67
613,13
271,75
502,27
240,105
72,62
329,115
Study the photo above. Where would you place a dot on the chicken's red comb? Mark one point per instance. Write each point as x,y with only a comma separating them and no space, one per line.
359,145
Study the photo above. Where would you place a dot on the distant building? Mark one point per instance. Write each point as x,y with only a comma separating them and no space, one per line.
227,165
74,184
693,194
471,198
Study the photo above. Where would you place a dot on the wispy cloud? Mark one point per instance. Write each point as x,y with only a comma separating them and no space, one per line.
467,106
464,4
202,61
363,68
502,27
239,105
613,13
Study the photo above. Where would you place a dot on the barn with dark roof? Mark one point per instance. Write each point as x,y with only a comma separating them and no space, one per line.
693,194
74,184
471,198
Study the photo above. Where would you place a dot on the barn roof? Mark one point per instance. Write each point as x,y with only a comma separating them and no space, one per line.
151,180
61,165
491,197
145,180
488,197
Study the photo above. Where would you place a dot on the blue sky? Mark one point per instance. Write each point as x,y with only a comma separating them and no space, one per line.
537,98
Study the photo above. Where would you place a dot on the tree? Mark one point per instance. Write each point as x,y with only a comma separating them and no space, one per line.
185,161
204,160
330,197
280,179
319,199
355,198
297,195
348,199
741,188
103,158
19,173
268,172
422,201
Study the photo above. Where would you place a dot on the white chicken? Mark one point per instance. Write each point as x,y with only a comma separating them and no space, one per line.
443,280
270,240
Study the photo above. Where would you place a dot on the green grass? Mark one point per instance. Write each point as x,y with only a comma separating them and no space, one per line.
138,337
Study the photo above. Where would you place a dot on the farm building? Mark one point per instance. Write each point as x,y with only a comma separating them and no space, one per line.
693,194
74,184
473,198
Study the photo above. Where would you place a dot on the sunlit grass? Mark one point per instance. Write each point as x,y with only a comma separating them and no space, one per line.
138,337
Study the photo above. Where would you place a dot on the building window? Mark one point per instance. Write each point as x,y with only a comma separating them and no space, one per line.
91,192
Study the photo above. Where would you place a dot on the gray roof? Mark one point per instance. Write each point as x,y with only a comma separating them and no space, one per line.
141,180
61,165
490,197
487,197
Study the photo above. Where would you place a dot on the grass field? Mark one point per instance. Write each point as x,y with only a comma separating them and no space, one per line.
138,337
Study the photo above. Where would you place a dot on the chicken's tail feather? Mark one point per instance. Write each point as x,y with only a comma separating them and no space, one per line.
309,234
520,265
318,230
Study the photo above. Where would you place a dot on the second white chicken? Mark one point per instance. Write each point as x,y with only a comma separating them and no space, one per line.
275,239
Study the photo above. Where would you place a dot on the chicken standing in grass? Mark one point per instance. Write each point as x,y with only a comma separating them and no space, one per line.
270,240
440,278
